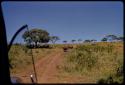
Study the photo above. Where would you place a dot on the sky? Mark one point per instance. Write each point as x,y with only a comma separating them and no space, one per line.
67,20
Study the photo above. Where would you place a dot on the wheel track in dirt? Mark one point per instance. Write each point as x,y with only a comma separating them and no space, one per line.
50,72
43,67
47,71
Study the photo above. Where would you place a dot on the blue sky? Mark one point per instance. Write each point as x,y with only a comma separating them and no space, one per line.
68,20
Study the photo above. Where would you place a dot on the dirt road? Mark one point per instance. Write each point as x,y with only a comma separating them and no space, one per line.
46,68
47,71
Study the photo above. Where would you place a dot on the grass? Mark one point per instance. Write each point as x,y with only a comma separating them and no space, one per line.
20,56
98,61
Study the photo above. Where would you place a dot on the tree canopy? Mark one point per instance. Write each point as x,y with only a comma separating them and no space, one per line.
65,41
104,39
111,37
53,39
79,40
87,41
73,41
35,36
120,38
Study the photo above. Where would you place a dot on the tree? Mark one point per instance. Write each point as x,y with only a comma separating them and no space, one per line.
87,41
104,39
111,37
73,41
93,40
53,39
79,40
120,38
35,36
65,41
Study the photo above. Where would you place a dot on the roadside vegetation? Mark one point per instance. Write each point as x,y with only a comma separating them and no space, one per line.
20,56
102,61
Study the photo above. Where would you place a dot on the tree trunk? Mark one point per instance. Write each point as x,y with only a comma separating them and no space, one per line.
35,44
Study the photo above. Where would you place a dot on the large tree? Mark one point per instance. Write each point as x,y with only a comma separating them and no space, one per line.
53,39
35,36
111,37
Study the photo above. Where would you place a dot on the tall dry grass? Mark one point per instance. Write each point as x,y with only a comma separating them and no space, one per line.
98,61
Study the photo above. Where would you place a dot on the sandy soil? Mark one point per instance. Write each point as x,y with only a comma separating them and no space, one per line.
47,71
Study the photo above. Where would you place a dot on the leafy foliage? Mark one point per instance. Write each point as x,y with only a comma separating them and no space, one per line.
65,41
87,41
73,41
104,39
54,39
120,38
79,40
35,36
110,38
